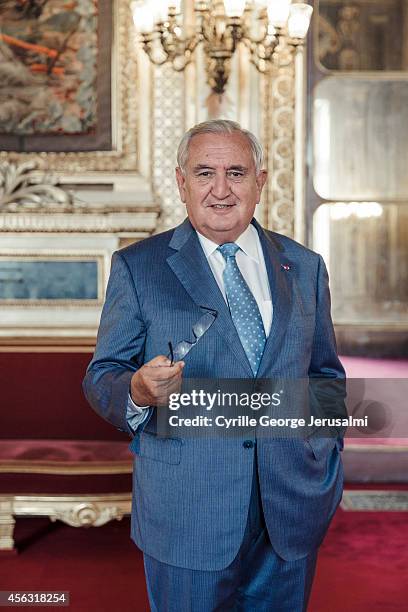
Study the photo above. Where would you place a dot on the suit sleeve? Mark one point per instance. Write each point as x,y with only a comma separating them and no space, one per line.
327,384
324,361
119,348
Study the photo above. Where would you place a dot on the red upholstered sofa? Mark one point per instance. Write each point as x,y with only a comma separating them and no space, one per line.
57,457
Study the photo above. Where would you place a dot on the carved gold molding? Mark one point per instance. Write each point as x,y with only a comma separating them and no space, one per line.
88,514
22,188
74,510
139,222
31,201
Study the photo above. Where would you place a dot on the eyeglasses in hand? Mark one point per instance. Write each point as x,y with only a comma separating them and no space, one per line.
178,352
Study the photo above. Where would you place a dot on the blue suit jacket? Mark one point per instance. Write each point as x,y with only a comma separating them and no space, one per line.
191,496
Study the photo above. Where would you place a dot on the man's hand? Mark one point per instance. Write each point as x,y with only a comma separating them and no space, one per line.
152,384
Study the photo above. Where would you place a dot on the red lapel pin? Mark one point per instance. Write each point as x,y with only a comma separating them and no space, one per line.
286,267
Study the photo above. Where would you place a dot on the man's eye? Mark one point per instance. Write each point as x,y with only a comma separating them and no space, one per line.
205,173
235,174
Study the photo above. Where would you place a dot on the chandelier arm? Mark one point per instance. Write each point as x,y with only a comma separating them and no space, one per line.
263,51
147,43
192,43
168,41
157,62
255,61
181,68
176,46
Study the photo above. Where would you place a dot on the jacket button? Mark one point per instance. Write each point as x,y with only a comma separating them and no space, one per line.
248,444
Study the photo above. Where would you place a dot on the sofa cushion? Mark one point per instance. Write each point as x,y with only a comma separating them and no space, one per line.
64,466
95,455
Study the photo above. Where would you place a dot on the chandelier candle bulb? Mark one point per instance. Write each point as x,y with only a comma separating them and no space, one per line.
143,17
234,8
278,12
160,9
299,20
175,5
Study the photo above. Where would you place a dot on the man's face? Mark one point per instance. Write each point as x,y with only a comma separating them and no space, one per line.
220,187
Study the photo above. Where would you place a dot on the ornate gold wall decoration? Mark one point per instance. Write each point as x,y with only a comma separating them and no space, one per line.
168,128
279,110
21,187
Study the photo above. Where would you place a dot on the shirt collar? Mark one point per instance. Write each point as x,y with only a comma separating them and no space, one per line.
247,242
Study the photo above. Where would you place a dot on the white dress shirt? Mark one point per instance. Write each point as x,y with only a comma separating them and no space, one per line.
251,262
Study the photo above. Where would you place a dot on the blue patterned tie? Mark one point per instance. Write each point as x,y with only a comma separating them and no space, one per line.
244,309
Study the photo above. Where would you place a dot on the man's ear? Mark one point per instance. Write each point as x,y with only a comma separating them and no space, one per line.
181,180
260,181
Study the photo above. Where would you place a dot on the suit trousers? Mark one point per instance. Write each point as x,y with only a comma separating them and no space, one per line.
258,580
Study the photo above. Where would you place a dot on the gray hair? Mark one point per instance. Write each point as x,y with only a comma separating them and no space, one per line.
218,126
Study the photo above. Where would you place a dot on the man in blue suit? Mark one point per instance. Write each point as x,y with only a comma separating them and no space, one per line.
224,523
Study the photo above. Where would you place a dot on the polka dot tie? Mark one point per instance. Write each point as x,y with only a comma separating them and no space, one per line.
243,307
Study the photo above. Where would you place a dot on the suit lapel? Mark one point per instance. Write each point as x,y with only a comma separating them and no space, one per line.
191,267
280,284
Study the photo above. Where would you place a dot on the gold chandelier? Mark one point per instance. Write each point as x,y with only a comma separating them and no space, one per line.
263,26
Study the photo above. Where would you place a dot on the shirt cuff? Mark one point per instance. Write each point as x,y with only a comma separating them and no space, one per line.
135,415
135,407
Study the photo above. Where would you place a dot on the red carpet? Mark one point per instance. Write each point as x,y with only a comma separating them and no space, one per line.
100,567
362,565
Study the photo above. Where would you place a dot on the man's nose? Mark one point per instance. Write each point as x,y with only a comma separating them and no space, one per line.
220,187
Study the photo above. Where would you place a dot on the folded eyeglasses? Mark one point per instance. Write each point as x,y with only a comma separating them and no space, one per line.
180,350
